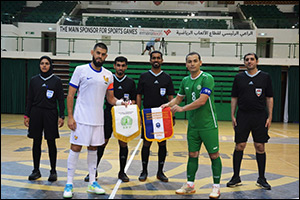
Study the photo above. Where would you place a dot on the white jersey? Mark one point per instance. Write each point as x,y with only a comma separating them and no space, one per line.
92,86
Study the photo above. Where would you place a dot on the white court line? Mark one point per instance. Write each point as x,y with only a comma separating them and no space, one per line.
278,134
112,195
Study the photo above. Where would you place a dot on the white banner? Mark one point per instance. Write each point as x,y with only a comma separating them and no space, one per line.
155,32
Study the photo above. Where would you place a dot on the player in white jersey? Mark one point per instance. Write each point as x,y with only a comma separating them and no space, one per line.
92,82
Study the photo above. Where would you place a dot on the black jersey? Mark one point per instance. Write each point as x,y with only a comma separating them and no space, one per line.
155,88
252,90
124,88
44,93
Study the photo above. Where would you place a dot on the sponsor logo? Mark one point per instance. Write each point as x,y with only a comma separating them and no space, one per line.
250,83
167,32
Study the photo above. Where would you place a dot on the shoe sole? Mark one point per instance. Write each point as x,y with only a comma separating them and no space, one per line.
235,185
33,179
68,197
265,188
183,193
142,180
163,180
214,197
93,192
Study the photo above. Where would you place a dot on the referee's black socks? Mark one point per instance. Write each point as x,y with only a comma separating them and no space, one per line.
237,159
261,163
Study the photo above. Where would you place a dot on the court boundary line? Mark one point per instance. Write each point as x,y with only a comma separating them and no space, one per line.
112,195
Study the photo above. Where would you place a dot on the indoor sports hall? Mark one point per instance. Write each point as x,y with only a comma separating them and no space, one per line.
222,32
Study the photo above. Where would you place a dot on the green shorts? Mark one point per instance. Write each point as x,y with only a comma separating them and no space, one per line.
210,138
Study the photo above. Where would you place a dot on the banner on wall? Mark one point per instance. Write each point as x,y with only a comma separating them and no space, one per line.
156,32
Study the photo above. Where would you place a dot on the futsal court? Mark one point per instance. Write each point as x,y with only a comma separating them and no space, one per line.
282,169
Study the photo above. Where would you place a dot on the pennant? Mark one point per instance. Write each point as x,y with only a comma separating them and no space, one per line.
158,124
126,122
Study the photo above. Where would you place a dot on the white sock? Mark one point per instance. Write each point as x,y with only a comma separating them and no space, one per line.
92,164
190,183
216,185
72,162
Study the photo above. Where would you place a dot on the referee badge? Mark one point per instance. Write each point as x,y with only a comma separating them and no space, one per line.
258,91
49,94
162,91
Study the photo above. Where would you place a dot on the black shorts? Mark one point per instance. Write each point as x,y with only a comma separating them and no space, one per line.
254,122
43,120
108,127
148,47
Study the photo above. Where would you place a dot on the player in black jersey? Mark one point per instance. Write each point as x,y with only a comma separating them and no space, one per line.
124,87
45,90
158,89
252,93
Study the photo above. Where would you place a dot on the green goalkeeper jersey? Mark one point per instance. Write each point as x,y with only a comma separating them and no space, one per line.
204,117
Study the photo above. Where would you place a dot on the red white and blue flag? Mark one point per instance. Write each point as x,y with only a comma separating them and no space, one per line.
158,124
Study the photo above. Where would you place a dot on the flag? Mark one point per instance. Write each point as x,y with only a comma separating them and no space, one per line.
158,124
126,122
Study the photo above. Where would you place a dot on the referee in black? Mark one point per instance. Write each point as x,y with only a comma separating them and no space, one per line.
124,88
252,93
157,88
41,115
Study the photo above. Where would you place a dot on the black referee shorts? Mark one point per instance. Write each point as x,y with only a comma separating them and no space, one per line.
108,127
254,122
43,120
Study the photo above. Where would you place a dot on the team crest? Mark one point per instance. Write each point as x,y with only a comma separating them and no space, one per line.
49,94
105,79
162,91
258,91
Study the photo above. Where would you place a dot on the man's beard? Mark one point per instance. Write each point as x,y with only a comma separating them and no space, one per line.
97,64
120,73
156,65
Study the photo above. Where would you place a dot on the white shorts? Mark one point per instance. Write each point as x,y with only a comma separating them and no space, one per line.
87,135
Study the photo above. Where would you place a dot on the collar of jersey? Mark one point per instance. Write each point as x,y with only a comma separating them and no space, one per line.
197,76
253,74
154,73
119,79
94,69
47,77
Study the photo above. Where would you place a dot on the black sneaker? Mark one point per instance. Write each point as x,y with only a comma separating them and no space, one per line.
34,175
87,178
262,182
53,176
123,177
143,176
162,177
235,181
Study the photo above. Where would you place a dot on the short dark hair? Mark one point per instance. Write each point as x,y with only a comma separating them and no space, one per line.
193,53
120,59
100,45
156,52
251,54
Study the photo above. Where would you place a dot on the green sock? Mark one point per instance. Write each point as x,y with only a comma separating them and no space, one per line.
216,166
192,168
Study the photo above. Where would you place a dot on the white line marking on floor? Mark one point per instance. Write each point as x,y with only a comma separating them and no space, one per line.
112,195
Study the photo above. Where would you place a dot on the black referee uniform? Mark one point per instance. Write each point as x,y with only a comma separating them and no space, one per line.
251,92
45,91
43,95
155,88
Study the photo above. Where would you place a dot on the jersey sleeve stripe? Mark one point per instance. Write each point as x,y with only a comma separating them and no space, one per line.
111,86
75,86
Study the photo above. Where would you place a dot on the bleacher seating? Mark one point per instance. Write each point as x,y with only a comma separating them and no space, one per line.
50,11
266,16
157,22
9,10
